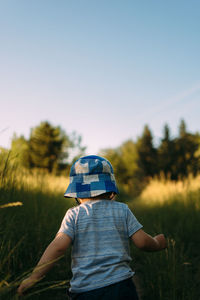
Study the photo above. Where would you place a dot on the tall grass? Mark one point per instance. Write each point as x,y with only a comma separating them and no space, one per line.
26,230
173,209
160,191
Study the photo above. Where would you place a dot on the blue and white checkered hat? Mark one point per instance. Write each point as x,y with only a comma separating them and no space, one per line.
91,176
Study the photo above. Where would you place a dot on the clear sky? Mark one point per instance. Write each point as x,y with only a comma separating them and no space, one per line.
101,68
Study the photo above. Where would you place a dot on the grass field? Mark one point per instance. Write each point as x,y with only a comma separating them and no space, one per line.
26,230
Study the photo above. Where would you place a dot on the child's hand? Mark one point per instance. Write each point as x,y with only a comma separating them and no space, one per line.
160,238
26,284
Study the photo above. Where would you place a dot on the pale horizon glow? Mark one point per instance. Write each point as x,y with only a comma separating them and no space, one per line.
102,69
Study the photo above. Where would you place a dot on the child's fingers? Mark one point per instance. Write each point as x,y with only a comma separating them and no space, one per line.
26,284
162,241
22,288
20,291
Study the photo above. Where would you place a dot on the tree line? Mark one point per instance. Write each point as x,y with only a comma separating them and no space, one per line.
48,148
135,162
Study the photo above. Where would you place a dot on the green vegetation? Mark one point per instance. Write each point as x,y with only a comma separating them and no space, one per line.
136,162
47,148
160,184
50,149
26,230
174,273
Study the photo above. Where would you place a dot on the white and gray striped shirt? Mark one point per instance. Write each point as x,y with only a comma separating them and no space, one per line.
100,231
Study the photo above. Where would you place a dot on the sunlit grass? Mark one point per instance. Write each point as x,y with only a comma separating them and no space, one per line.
36,181
11,204
41,181
160,191
26,230
32,207
171,208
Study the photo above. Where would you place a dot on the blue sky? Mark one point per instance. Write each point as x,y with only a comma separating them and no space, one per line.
101,68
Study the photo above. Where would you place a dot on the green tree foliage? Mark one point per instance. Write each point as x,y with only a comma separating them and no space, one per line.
134,175
135,162
20,149
147,153
179,157
166,157
124,160
186,146
182,129
47,148
115,157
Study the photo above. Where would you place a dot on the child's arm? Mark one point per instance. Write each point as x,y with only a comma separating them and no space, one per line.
146,242
55,250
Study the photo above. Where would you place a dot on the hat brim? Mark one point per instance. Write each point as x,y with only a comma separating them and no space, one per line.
92,189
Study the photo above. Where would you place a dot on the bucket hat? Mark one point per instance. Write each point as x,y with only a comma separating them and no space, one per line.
91,176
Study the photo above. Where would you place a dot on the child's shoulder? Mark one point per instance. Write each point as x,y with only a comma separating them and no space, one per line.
73,209
71,212
120,204
107,204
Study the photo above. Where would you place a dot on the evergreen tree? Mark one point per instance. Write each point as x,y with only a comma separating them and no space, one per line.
178,157
182,129
166,154
186,146
48,146
147,154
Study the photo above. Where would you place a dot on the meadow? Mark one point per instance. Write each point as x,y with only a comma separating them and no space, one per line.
35,211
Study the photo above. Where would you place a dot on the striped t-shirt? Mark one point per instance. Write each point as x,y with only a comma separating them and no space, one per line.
100,232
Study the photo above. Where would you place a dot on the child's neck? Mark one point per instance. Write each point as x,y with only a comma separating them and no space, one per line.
85,200
90,199
103,197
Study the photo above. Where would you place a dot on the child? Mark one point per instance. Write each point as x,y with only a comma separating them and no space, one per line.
98,230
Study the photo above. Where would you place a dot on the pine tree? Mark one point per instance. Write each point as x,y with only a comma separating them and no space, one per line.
186,145
166,151
47,146
182,129
147,154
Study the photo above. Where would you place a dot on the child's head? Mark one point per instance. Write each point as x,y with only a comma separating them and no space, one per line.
90,177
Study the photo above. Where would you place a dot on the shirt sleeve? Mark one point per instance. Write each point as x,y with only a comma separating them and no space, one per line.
132,223
68,224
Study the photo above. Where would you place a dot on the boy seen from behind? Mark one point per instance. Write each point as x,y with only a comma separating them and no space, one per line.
98,230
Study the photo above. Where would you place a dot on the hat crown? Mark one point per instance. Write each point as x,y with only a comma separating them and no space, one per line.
91,176
91,165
